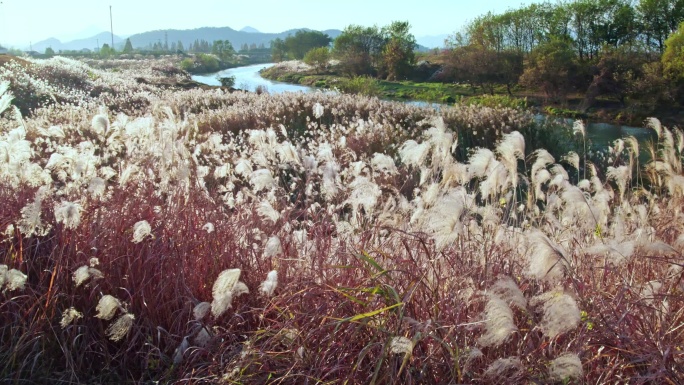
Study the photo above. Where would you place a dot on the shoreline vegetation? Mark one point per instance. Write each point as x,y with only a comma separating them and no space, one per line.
605,111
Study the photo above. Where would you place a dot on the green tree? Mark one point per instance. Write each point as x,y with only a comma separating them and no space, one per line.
552,69
128,47
673,57
223,49
318,58
359,49
49,52
278,50
180,47
398,52
659,19
106,51
301,42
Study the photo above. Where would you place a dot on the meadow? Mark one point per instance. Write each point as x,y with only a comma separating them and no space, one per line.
156,234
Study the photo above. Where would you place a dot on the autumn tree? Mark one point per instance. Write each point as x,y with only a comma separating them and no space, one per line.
398,52
552,69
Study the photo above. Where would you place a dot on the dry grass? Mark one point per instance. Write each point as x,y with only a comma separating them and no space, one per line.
387,272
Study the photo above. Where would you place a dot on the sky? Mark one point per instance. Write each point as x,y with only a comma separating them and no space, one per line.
24,21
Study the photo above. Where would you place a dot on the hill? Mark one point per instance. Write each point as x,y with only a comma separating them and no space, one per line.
237,38
90,43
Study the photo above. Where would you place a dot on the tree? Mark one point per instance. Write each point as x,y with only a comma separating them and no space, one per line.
49,52
359,49
106,51
301,42
128,47
278,50
318,57
659,19
673,57
179,46
482,67
552,69
397,54
223,49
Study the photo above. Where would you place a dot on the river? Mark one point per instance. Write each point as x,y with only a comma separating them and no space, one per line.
248,78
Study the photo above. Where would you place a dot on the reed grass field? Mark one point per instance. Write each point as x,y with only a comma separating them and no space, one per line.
152,232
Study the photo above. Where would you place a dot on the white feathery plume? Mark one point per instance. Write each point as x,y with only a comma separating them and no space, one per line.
266,211
542,176
621,175
222,171
269,285
365,193
96,187
383,164
542,159
84,273
107,307
70,315
572,158
226,286
30,222
262,179
273,247
479,162
3,275
5,96
68,213
445,220
120,328
15,280
414,154
566,367
325,153
401,345
208,227
654,123
141,230
578,128
547,260
243,167
561,313
100,124
618,146
201,310
287,153
318,110
498,322
504,368
506,289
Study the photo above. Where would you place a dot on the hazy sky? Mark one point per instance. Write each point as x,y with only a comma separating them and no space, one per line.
22,21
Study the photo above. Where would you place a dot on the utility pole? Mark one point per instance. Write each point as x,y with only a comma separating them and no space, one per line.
111,25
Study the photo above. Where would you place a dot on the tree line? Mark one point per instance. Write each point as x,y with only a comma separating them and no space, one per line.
620,50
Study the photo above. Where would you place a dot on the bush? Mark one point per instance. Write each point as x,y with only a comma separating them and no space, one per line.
226,81
318,58
363,85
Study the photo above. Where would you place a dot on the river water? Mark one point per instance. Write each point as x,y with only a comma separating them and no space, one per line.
248,78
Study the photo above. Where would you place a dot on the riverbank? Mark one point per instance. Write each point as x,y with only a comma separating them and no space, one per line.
604,111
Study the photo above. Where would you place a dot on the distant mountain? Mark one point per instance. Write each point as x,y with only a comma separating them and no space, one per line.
90,43
435,41
210,34
249,29
247,35
85,33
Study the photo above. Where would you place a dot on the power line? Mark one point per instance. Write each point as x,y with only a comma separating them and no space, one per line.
111,25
